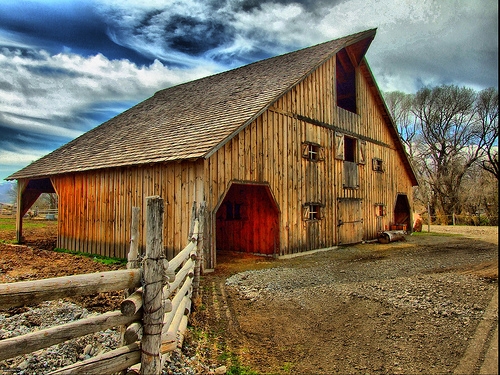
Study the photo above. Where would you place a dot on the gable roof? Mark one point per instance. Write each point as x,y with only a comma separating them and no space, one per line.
190,120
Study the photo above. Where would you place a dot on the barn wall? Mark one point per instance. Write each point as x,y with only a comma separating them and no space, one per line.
95,207
269,151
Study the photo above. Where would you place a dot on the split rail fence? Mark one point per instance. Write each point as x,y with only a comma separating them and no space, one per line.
155,313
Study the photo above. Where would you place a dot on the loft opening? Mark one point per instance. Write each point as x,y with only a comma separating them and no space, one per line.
346,82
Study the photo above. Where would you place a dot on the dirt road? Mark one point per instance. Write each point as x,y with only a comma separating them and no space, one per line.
422,306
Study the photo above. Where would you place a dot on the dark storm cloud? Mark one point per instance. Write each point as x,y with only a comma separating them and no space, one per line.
63,26
194,36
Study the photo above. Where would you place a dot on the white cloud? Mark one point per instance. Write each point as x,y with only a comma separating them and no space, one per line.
47,87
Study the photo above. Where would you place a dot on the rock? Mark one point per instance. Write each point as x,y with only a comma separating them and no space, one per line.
220,370
87,349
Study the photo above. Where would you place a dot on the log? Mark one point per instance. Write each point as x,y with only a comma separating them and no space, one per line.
391,236
132,304
181,257
36,291
182,331
133,333
175,304
187,268
176,321
153,308
107,363
33,341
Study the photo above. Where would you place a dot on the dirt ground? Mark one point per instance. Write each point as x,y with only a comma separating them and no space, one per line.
348,311
34,260
358,315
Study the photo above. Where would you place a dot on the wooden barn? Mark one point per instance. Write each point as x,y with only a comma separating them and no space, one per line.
288,154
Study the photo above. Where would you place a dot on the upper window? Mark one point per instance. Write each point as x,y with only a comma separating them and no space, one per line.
350,149
346,82
380,209
377,165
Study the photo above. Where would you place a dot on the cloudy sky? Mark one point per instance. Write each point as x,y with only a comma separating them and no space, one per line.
67,66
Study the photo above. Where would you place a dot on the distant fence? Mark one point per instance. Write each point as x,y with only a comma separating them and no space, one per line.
155,313
7,209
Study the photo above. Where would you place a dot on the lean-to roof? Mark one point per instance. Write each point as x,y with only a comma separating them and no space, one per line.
190,120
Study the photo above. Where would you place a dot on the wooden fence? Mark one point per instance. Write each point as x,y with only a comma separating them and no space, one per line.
155,313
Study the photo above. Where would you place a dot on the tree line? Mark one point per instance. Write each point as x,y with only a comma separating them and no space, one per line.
451,136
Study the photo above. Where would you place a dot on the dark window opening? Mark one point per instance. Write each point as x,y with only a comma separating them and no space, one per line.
350,149
346,82
233,211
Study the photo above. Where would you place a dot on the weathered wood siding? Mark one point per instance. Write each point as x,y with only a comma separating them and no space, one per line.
269,151
95,208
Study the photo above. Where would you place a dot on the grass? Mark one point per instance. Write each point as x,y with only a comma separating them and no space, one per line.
9,224
436,234
236,367
97,258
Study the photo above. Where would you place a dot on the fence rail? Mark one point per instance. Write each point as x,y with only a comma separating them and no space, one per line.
155,313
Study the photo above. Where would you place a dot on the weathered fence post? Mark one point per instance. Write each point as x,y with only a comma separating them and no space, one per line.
133,254
154,263
199,254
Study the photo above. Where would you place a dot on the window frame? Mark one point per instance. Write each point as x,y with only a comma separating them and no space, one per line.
378,165
380,210
312,211
312,151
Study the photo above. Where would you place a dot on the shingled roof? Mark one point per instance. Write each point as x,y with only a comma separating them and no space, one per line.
190,120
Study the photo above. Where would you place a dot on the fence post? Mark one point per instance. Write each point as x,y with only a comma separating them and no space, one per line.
199,254
153,308
133,254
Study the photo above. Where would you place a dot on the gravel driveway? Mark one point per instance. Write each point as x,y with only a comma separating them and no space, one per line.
406,307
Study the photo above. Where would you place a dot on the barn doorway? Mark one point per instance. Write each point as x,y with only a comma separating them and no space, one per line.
402,217
247,220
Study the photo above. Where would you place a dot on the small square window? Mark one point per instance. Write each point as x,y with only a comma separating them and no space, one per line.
312,151
378,165
312,211
380,209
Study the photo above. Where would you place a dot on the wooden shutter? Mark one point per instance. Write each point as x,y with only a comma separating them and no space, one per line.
321,153
305,212
339,146
305,150
362,152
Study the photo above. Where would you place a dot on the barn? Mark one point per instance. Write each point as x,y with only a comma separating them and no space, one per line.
288,154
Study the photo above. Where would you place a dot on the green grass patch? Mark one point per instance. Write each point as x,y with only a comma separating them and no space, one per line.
436,234
7,223
98,258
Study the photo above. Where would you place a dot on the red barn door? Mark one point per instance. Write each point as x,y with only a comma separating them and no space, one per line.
248,220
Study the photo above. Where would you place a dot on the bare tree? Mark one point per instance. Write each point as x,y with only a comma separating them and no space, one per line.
452,140
487,112
400,107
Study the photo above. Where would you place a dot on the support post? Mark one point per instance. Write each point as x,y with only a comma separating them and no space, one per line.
154,263
21,184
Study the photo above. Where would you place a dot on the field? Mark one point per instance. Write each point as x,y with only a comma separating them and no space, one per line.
414,306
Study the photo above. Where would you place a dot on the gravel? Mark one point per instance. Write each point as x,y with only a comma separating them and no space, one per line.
22,321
